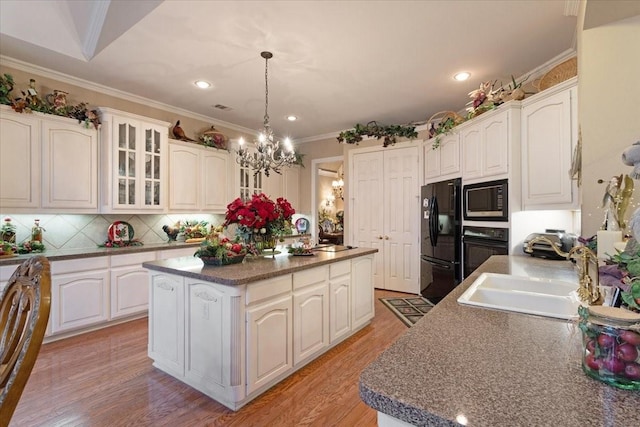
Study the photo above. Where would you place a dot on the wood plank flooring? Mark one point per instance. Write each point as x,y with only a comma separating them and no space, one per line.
105,378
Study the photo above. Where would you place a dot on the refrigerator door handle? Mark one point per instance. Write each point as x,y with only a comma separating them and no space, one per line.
431,237
435,221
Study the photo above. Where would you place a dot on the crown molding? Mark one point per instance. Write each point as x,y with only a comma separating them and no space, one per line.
96,87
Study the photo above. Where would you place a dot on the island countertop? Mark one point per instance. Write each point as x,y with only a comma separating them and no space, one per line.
253,269
480,367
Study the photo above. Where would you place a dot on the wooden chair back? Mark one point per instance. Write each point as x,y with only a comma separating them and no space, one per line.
25,303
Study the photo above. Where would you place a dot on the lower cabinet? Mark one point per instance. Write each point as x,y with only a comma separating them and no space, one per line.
166,322
129,284
340,300
234,342
79,293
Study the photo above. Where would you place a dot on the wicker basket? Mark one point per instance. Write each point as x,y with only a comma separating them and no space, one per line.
441,117
559,73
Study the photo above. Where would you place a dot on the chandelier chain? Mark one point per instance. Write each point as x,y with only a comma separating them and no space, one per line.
266,90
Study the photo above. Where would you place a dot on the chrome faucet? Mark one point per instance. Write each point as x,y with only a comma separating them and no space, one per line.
589,290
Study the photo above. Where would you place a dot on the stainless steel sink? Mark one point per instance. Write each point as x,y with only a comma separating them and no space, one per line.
530,295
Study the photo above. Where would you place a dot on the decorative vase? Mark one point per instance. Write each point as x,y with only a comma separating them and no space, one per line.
265,242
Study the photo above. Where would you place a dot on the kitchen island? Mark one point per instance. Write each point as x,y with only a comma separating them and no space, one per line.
234,331
463,365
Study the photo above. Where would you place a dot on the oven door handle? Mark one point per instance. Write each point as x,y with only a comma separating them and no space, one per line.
441,264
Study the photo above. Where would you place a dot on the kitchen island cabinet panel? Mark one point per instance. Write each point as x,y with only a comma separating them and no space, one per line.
166,323
244,327
269,342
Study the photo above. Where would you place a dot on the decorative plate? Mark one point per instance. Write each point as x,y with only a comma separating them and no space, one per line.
120,231
302,225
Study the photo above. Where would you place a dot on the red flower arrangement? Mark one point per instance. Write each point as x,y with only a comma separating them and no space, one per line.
260,215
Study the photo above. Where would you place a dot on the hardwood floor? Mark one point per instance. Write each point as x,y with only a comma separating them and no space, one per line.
105,378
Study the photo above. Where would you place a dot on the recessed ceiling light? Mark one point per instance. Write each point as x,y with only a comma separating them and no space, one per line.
202,84
462,76
292,118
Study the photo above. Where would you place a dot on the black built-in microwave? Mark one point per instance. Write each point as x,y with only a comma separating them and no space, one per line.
486,201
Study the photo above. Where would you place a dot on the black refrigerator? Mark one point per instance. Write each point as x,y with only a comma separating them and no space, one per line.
440,238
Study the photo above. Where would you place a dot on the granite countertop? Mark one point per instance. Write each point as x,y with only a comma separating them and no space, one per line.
252,268
481,367
65,254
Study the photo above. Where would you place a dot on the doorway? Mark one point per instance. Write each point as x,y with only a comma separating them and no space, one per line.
327,200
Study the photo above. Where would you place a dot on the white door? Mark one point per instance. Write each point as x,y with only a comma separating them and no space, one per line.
401,220
367,210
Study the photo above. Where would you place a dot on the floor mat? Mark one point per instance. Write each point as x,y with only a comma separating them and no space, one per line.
409,310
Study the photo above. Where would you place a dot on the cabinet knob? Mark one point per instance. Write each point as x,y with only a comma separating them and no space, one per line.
386,237
379,237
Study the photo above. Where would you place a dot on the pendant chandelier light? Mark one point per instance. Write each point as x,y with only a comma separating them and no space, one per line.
268,155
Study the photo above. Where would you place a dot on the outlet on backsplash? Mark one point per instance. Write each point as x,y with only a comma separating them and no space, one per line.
78,231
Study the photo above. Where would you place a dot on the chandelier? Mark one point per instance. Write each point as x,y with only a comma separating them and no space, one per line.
338,186
268,155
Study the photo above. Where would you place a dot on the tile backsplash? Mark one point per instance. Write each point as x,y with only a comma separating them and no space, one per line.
78,231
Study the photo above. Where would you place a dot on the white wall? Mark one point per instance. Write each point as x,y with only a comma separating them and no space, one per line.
609,107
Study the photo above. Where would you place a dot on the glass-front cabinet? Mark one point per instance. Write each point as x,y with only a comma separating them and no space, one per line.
249,182
134,162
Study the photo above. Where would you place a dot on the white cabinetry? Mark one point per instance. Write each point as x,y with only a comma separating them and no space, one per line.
549,135
486,141
129,284
340,300
69,166
442,162
310,313
80,293
198,178
134,151
385,213
286,185
362,296
166,322
20,153
48,162
233,342
269,331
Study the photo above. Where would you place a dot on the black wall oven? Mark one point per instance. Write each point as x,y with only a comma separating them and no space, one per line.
480,243
486,201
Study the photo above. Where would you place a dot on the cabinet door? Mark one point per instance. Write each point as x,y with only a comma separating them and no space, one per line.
471,143
205,328
339,308
129,291
153,158
269,342
20,156
249,182
450,154
215,181
495,147
69,166
125,146
79,300
362,295
547,151
431,161
291,185
310,322
166,322
184,177
273,185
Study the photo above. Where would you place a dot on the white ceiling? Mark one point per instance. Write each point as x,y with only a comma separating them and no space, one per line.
335,64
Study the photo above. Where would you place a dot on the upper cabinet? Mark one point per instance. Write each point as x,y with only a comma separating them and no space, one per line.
442,162
549,137
48,162
488,143
198,178
286,185
134,164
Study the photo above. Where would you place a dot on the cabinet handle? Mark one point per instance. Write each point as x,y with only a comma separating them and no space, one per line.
165,286
386,237
379,237
205,296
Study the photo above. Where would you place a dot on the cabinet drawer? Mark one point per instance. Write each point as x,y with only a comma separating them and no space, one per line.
178,252
132,259
339,269
81,264
268,288
309,277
